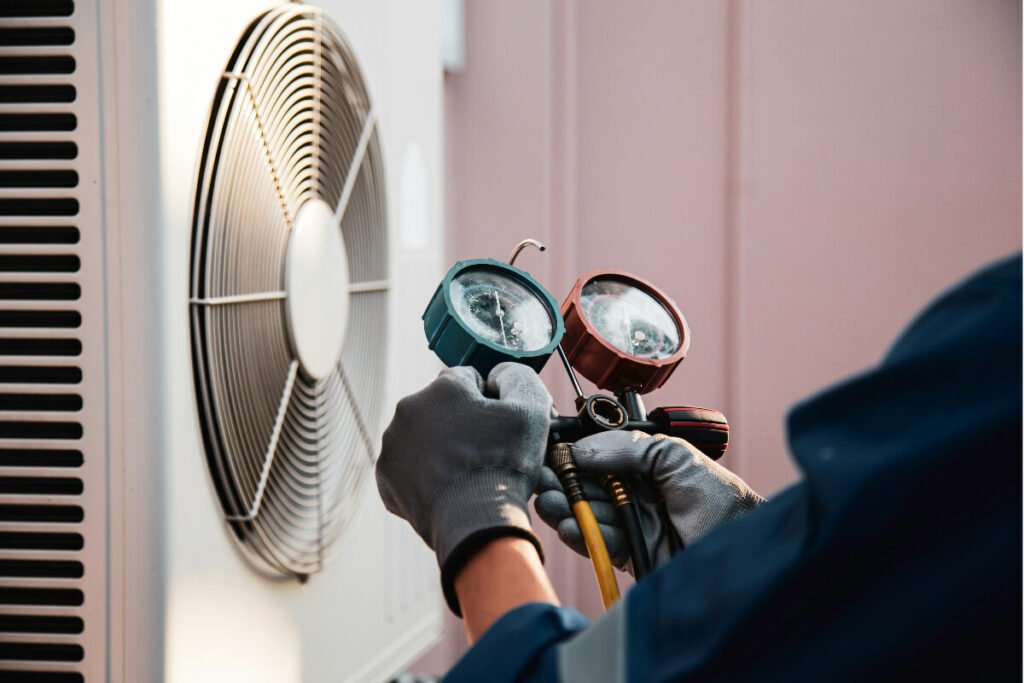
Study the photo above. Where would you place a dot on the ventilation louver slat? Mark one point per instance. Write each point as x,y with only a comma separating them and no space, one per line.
19,623
55,569
36,8
38,150
68,291
42,623
36,35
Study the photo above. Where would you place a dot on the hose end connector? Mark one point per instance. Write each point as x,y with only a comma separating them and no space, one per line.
620,496
564,465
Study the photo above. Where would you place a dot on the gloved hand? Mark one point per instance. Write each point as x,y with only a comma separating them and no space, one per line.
460,460
698,493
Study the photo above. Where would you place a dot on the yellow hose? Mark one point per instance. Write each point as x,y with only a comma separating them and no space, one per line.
598,553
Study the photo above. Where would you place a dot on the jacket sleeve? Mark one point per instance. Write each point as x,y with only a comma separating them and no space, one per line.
513,646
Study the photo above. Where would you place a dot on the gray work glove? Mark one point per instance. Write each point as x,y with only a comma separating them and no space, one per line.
698,494
460,460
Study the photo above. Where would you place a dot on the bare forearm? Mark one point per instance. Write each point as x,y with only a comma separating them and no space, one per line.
505,573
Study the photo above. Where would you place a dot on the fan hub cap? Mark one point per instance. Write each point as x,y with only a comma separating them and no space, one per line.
316,285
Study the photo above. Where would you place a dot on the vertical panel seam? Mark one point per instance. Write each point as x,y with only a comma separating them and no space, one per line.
561,164
736,139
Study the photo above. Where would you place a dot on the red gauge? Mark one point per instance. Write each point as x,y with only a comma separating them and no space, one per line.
622,332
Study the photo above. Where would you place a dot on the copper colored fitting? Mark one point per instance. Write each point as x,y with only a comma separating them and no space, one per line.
617,490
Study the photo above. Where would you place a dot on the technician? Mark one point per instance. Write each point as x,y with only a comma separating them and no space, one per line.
897,556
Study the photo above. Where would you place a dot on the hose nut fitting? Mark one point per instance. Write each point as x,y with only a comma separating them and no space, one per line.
617,490
564,465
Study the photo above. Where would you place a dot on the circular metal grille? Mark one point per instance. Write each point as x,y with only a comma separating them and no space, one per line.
288,448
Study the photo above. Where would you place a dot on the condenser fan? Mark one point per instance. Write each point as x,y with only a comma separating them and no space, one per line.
288,288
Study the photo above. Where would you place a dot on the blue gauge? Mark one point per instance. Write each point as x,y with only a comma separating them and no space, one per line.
486,312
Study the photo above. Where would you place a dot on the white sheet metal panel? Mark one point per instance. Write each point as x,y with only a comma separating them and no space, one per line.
187,605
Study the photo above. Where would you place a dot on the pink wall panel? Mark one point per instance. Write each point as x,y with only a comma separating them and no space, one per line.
879,160
800,177
652,129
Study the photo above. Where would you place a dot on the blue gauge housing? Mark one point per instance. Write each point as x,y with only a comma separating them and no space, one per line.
455,343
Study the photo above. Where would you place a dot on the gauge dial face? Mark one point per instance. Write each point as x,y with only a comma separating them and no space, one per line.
630,319
501,309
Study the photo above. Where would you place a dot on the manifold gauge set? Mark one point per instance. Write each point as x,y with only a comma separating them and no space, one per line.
616,329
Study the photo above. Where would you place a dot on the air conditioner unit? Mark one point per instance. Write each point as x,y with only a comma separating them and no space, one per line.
219,222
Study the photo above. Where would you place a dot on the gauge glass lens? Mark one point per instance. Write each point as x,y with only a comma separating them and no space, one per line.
501,309
630,319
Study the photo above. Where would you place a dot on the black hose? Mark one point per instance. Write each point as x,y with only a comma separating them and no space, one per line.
630,525
675,544
635,537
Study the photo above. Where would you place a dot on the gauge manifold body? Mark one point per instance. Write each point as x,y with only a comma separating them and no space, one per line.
622,332
487,312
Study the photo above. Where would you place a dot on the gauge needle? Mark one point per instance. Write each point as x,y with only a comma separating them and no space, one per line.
501,318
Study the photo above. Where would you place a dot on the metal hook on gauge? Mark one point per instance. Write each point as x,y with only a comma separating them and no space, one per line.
529,242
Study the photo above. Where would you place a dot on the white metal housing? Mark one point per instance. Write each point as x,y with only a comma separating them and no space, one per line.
107,512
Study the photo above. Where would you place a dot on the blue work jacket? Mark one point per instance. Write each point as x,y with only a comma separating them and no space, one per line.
897,556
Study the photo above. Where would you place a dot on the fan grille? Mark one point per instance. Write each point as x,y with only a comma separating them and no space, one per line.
288,449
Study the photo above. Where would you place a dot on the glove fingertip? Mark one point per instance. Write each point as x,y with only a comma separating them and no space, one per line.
593,490
605,513
613,537
465,375
518,382
588,455
569,534
616,452
552,507
548,481
616,544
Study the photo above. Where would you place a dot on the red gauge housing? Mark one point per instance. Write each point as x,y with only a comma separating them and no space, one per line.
602,362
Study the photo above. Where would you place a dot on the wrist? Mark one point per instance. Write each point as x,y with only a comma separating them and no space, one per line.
472,546
472,510
503,574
